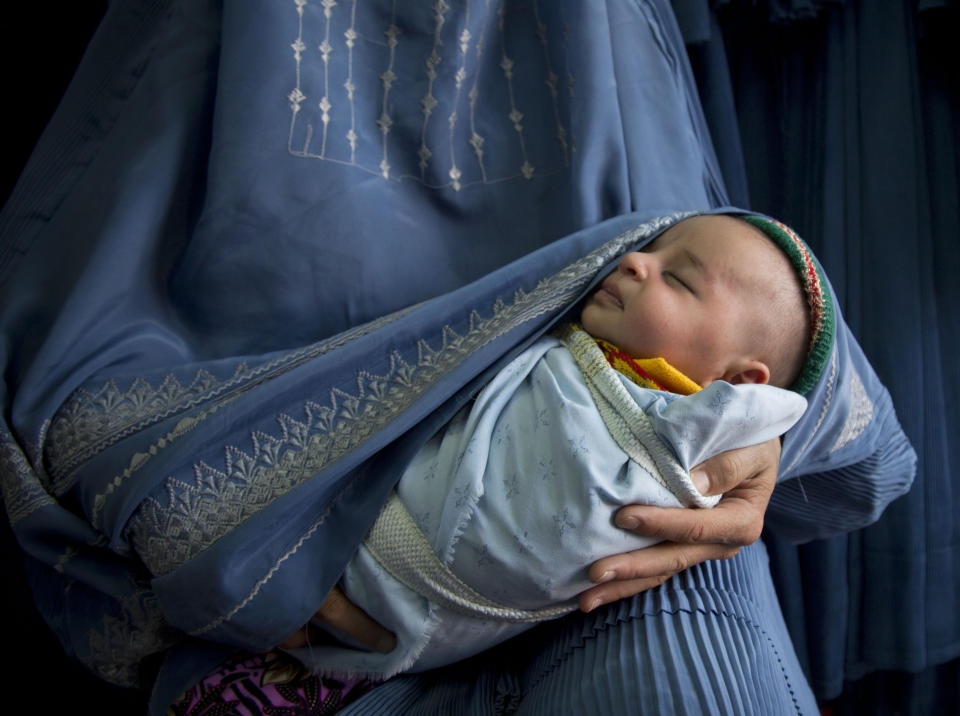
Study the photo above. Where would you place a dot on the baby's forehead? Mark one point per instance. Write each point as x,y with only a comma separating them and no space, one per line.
728,244
712,227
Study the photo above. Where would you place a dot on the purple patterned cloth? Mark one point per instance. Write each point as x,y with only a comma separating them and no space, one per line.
271,684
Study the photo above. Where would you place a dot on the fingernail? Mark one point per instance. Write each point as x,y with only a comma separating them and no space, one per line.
700,481
594,604
605,577
627,522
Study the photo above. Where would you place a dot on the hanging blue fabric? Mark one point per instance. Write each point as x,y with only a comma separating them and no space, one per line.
864,163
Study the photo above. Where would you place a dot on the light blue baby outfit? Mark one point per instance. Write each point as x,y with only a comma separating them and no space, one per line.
496,520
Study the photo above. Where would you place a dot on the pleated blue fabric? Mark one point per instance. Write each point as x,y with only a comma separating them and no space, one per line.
711,640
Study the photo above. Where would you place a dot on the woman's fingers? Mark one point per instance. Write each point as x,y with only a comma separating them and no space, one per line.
729,470
612,591
624,575
746,478
736,520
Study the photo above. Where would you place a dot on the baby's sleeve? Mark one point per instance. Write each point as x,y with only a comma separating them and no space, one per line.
723,417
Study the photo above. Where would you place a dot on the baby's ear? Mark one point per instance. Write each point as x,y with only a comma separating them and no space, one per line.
747,371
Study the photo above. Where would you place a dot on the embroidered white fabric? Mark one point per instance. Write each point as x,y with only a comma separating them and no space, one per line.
860,415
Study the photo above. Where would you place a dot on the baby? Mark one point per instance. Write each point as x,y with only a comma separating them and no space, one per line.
496,520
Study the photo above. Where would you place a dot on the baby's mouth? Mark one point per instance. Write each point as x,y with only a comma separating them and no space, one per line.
610,295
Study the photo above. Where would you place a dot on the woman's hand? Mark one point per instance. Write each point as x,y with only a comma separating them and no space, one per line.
347,618
745,477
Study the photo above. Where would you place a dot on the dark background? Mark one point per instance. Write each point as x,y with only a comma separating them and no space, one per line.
41,47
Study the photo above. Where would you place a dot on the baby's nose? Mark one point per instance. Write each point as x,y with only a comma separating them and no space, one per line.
635,265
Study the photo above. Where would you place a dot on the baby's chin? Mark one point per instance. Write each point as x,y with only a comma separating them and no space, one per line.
587,324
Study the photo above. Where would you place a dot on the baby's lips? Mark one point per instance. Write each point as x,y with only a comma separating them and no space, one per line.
609,290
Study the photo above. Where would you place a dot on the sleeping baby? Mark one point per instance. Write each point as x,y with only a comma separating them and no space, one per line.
494,523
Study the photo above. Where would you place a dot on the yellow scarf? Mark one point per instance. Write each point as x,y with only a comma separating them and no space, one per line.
653,373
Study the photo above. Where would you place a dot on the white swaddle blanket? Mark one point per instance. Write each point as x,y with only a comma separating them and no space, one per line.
497,519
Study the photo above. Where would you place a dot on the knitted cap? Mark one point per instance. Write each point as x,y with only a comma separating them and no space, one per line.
817,292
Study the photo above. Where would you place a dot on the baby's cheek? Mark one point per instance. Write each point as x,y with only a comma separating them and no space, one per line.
590,319
646,334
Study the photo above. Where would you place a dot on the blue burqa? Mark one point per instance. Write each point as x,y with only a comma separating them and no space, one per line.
262,253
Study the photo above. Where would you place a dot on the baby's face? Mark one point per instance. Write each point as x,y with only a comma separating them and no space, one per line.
682,298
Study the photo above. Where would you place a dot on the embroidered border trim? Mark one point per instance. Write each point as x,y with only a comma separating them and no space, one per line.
216,501
859,415
22,492
90,422
124,641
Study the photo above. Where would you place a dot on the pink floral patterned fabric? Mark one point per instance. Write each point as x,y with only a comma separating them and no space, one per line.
271,684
